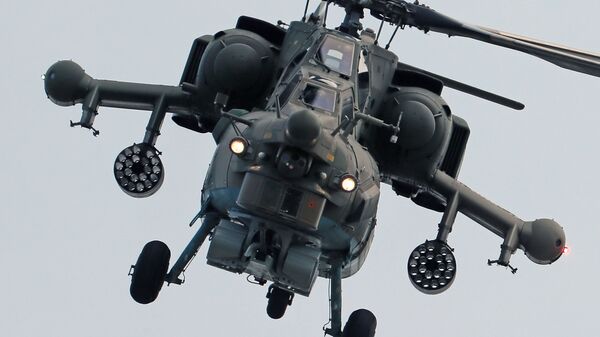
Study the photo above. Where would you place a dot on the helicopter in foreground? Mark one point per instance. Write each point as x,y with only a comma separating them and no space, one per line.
309,121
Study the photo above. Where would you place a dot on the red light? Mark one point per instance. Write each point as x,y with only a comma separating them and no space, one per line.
566,250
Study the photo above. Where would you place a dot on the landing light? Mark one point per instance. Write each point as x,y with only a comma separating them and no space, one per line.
238,146
348,183
566,250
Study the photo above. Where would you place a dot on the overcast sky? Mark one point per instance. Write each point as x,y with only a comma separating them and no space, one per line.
68,234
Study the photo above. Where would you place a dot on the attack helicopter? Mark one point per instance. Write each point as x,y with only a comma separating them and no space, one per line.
308,122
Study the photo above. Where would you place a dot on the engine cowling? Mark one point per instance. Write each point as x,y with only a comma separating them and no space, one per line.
240,64
425,124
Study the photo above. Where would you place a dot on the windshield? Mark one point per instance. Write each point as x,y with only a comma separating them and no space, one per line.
337,54
318,97
289,88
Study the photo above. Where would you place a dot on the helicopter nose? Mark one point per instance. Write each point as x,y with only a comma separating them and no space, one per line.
303,129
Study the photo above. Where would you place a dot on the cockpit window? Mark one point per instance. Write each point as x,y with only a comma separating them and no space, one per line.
347,104
318,97
285,95
337,54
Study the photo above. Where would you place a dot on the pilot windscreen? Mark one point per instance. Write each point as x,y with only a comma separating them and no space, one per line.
319,97
337,54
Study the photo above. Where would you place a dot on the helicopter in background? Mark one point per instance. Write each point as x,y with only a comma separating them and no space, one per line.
308,122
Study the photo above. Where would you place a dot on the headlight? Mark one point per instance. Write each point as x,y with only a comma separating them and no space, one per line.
348,183
238,146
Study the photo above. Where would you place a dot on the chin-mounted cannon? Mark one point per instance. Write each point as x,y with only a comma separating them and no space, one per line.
432,266
138,170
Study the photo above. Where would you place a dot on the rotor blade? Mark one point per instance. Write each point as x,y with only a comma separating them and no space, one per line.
562,56
450,83
573,51
427,19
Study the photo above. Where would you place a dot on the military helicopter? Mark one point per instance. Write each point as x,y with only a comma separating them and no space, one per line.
308,122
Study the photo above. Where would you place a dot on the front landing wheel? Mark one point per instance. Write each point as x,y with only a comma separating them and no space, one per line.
362,323
149,272
279,300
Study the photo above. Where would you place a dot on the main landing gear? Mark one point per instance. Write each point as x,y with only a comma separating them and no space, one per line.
279,300
361,323
150,272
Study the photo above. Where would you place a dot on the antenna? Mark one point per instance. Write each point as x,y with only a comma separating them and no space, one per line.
305,10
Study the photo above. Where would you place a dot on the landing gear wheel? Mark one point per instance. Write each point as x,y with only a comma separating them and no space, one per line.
279,300
149,272
362,323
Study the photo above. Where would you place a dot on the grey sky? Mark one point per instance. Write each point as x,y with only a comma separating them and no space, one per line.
68,234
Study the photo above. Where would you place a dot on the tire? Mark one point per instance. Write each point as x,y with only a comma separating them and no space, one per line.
279,300
149,272
361,323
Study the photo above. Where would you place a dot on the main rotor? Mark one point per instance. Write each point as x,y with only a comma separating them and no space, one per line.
402,13
396,12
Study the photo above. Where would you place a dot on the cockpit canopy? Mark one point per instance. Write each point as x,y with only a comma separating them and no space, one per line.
319,97
322,79
337,54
